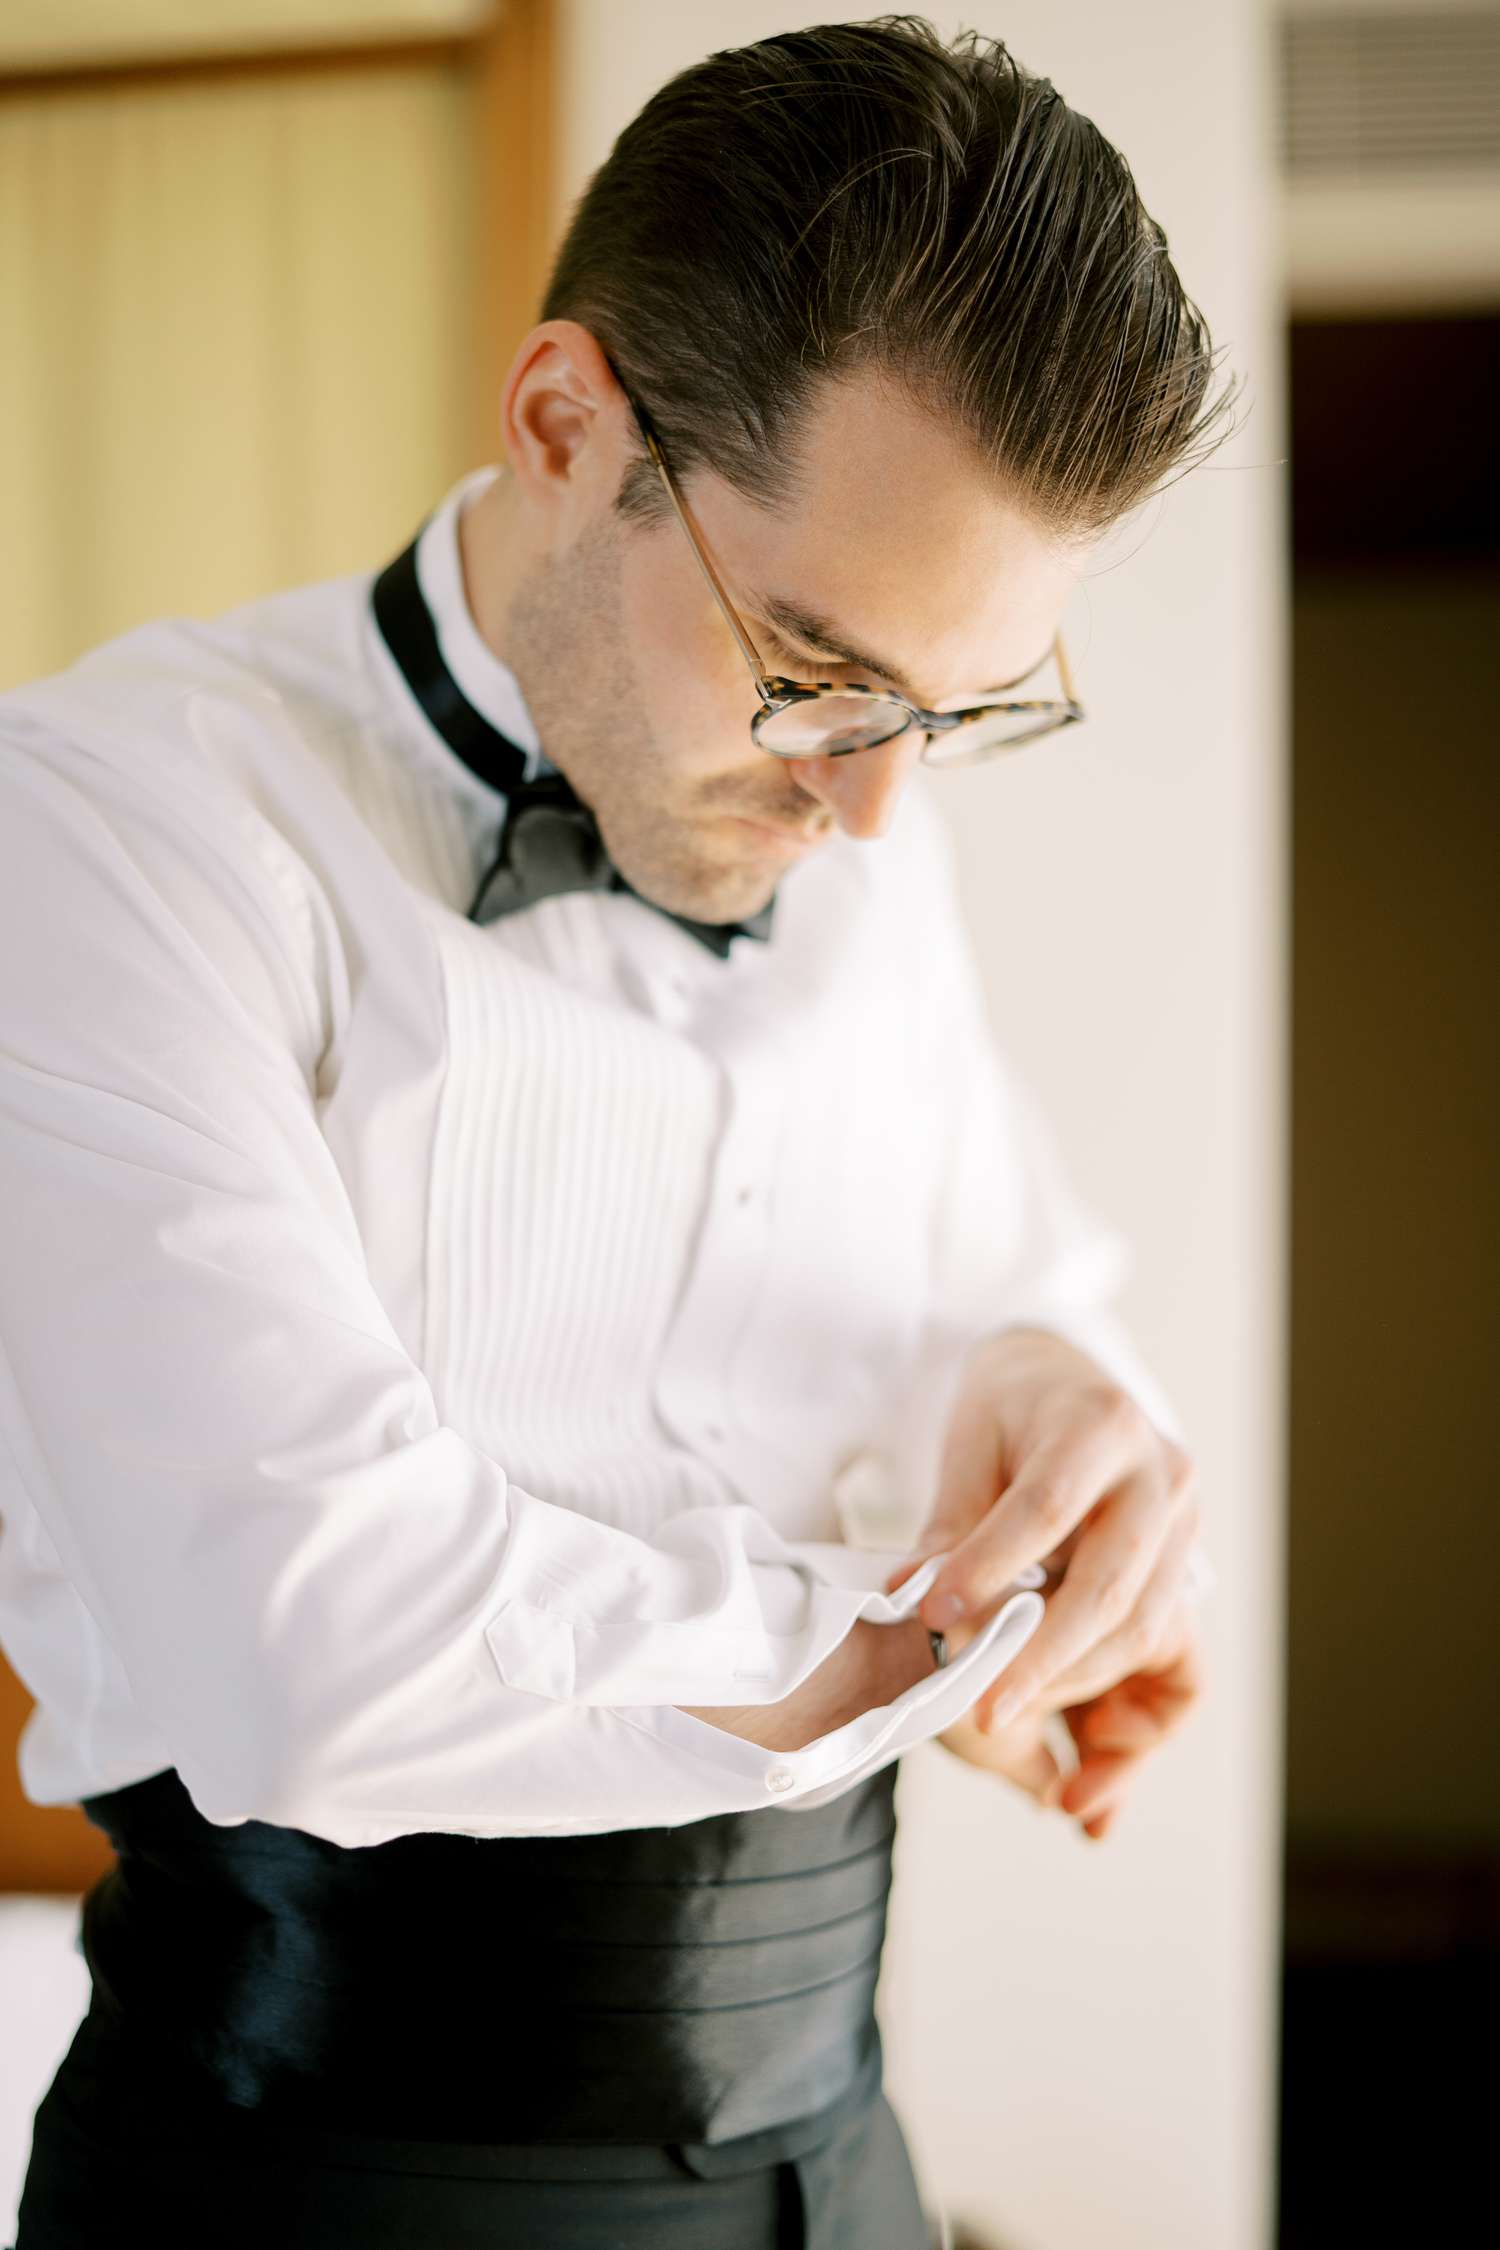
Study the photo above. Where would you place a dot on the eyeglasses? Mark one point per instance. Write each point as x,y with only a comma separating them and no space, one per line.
821,719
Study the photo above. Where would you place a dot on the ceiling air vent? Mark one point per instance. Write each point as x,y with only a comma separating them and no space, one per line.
1376,91
1390,156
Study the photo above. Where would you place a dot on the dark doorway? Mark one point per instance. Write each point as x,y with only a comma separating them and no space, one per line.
1392,1861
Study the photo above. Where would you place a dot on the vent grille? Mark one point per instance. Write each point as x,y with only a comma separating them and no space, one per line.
1373,93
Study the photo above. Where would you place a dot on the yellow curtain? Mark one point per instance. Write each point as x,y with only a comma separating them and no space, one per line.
236,316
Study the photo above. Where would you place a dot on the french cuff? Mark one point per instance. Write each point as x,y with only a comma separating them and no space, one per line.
577,1660
835,1761
544,1651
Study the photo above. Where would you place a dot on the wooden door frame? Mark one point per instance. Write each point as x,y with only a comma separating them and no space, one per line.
511,67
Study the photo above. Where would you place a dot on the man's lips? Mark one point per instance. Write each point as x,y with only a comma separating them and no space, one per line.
792,840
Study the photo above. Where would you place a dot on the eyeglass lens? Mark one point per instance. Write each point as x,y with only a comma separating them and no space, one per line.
826,725
829,724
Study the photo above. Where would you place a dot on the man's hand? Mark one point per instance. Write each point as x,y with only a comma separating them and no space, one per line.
1112,1733
1047,1460
872,1665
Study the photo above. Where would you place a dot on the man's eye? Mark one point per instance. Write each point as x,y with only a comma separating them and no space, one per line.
803,667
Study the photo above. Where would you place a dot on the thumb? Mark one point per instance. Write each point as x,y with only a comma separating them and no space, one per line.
1037,1771
1030,1764
1019,1753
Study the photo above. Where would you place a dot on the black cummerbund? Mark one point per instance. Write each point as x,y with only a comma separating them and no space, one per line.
664,1985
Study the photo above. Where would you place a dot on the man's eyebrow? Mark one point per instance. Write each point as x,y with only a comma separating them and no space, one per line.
822,639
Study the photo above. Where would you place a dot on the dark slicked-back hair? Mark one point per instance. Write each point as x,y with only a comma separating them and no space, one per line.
870,195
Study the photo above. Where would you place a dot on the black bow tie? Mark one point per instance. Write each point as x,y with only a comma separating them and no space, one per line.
549,840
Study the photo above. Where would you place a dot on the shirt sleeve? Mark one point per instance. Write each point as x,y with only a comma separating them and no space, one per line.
1014,1245
338,1613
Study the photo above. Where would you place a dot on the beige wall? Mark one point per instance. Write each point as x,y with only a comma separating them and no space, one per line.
1080,2035
238,315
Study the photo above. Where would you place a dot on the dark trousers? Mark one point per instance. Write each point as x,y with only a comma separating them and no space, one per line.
112,2164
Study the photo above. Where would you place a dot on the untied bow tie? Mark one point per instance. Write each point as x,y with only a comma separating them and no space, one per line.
549,839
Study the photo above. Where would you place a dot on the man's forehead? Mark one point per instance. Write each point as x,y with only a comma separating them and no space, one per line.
905,547
810,631
888,544
935,617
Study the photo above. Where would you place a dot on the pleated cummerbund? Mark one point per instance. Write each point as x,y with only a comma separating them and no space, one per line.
695,1985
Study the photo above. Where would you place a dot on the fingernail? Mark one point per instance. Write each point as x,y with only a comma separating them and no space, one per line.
940,1610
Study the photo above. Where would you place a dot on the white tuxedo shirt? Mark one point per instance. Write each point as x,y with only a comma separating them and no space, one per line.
431,1352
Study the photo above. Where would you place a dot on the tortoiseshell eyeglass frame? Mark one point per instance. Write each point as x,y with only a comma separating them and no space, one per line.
778,694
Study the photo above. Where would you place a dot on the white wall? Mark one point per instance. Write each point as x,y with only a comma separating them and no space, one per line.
1081,2035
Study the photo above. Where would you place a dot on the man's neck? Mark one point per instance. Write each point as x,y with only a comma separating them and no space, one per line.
489,556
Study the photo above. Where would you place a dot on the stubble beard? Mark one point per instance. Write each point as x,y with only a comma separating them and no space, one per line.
568,647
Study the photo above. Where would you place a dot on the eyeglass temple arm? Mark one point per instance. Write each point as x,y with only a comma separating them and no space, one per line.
979,710
1064,668
746,646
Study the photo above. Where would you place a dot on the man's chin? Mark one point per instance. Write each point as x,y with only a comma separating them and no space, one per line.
733,896
717,887
738,905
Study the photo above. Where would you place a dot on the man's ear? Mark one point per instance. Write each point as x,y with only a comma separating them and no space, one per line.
563,421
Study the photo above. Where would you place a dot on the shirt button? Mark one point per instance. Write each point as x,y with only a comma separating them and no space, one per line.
714,1432
780,1778
746,1195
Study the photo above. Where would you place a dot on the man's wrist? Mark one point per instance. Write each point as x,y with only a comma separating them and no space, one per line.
871,1667
909,1656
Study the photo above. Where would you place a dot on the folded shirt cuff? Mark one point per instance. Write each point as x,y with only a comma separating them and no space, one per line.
740,1775
835,1761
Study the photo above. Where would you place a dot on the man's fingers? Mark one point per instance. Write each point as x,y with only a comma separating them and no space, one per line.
1121,1725
1024,1759
1048,1498
1098,1782
1102,1584
970,1474
1148,1629
1038,1772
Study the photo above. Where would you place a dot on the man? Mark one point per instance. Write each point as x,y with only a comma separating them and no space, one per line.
502,1146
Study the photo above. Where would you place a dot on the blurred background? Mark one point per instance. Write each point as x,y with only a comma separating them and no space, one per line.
262,267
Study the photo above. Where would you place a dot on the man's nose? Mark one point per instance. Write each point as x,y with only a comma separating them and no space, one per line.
861,788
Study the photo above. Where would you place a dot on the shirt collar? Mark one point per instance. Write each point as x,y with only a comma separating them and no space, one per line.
485,681
472,702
